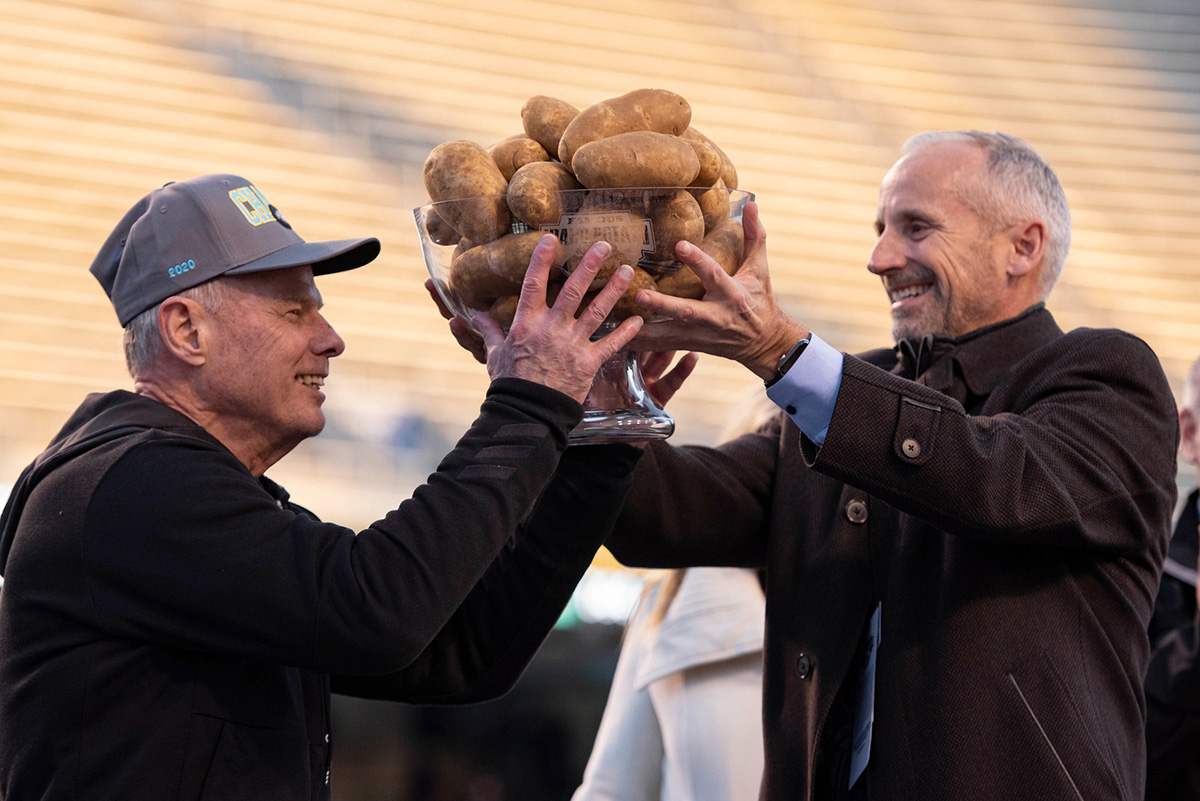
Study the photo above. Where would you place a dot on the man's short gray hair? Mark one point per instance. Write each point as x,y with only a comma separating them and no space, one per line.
1021,186
143,342
1191,388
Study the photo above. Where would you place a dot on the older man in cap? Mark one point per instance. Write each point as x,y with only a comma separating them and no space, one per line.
173,624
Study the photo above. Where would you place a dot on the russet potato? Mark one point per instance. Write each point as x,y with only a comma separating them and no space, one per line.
463,171
492,270
656,110
637,158
515,152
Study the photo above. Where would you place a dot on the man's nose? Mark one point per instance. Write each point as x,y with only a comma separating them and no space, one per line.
328,342
887,255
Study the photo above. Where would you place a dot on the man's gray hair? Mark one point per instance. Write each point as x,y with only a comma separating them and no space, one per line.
1191,388
1021,186
143,342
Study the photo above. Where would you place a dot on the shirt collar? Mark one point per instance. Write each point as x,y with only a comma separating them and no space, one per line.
984,355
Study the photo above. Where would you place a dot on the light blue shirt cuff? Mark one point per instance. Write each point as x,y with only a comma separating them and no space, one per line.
809,390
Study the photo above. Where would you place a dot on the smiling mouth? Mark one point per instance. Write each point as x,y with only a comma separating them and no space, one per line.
912,291
311,380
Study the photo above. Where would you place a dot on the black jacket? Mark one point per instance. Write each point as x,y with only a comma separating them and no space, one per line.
1175,605
1010,510
171,627
1173,680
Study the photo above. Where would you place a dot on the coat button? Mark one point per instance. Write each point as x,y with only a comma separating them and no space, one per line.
856,511
803,666
911,448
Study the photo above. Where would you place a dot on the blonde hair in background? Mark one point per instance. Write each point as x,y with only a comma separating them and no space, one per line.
755,412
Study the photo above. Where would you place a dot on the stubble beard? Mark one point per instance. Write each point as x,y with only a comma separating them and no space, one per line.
934,319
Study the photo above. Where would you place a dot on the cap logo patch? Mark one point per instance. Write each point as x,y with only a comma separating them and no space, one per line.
252,204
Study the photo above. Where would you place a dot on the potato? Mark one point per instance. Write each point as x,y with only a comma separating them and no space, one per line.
486,272
683,283
640,110
673,218
714,204
728,171
515,152
726,245
463,171
710,162
545,118
462,247
607,267
637,158
533,192
625,307
439,230
504,310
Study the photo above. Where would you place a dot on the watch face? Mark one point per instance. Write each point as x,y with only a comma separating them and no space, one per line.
788,359
792,355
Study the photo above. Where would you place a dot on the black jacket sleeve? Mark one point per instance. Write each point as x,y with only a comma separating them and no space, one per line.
693,505
488,642
185,548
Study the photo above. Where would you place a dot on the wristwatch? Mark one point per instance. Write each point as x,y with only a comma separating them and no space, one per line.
786,361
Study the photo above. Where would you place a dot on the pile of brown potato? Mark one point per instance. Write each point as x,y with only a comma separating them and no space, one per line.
639,157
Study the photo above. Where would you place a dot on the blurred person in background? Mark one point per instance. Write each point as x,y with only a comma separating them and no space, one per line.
172,624
1173,681
683,721
963,534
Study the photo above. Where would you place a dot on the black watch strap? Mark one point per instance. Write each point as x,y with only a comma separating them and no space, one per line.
787,360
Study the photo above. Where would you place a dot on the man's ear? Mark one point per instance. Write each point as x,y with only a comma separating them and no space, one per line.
181,324
1027,247
1187,434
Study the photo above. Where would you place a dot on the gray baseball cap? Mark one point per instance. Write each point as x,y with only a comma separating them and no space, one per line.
192,231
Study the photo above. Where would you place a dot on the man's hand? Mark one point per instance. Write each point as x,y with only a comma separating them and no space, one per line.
462,330
663,385
737,318
548,344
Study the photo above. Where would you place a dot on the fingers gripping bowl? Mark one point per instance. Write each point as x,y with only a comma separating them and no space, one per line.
642,226
630,171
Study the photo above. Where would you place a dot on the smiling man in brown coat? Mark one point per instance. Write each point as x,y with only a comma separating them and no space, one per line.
962,535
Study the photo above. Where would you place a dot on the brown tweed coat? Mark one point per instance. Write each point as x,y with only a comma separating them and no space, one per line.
1010,509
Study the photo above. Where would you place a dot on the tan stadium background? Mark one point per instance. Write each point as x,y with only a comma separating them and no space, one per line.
330,107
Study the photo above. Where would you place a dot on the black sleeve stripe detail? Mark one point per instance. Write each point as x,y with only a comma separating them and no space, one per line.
522,430
506,452
487,471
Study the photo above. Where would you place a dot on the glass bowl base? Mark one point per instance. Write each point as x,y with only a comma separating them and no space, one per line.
619,409
603,426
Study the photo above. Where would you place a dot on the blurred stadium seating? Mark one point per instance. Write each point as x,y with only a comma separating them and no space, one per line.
330,106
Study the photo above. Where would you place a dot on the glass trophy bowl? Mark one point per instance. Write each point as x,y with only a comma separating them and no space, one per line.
478,248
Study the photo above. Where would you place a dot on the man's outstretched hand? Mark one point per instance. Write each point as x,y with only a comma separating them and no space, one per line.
549,344
737,318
